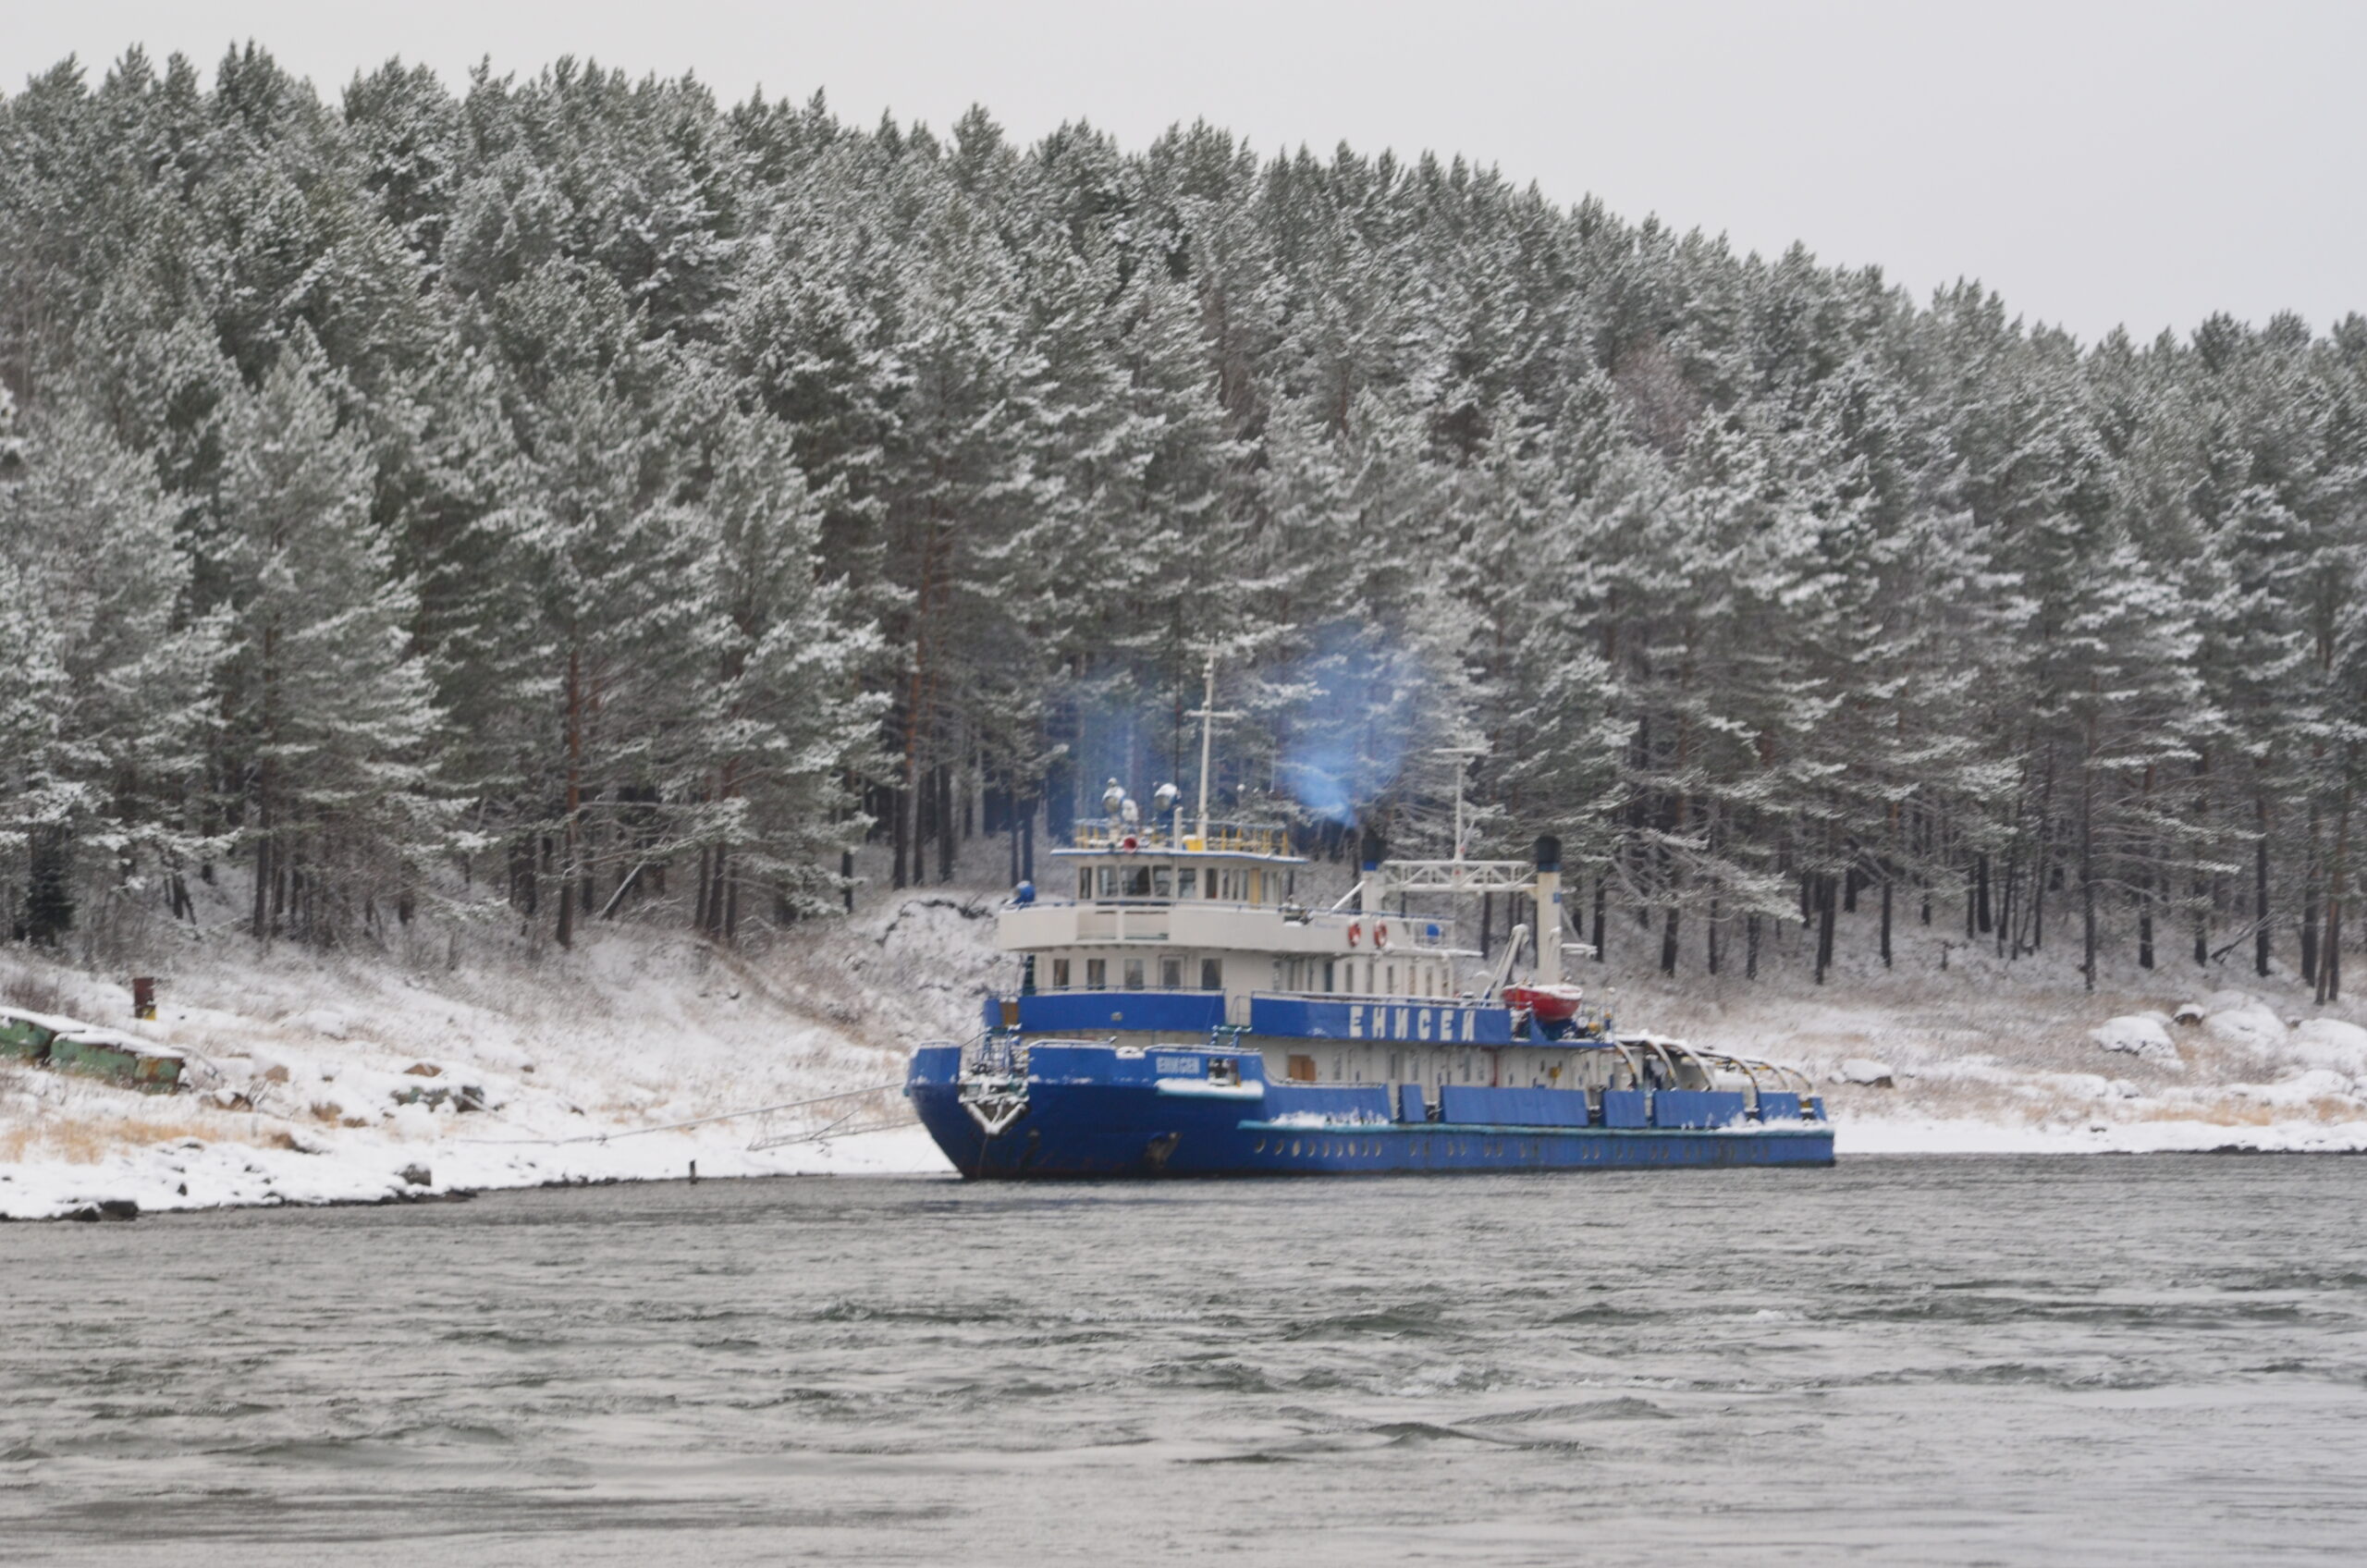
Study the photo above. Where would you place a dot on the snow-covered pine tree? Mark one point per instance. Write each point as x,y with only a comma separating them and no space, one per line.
330,713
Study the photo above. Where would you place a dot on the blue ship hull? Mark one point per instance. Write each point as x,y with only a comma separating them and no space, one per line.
1089,1111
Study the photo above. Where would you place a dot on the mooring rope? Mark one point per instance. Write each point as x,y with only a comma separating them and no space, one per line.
693,1122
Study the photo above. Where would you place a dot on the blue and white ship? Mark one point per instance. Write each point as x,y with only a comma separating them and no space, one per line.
1184,1015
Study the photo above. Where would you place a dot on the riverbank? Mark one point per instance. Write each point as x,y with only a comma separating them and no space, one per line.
459,1061
469,1066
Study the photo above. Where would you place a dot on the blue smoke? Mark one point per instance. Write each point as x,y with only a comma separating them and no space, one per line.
1350,742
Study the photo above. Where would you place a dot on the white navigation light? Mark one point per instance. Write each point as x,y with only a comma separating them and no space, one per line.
1165,797
1112,798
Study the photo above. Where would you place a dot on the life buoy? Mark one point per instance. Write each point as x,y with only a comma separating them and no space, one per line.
1381,934
1355,932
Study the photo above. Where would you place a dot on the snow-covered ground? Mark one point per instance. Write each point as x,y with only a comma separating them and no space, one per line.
518,1071
463,1062
1986,1056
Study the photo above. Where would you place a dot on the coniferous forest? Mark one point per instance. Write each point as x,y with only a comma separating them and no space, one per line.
576,496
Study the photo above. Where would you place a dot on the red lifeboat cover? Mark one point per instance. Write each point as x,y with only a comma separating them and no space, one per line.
1547,1004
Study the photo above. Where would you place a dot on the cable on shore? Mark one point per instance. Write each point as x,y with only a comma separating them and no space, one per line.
693,1122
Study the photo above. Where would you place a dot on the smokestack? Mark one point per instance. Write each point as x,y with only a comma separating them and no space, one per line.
1548,910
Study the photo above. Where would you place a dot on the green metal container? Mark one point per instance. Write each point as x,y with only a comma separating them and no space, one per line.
118,1058
25,1037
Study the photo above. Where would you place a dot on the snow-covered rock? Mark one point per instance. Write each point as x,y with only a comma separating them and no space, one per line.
1865,1071
2331,1043
2141,1034
2189,1013
2250,1024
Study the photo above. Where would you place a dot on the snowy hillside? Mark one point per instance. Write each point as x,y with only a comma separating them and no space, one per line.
300,1065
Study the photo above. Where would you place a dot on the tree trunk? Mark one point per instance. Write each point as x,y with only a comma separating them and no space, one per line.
567,826
2202,886
1601,913
2260,887
2310,912
1827,895
2330,962
1886,888
945,839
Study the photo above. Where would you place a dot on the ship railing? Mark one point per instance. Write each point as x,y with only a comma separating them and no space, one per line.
995,1055
1223,838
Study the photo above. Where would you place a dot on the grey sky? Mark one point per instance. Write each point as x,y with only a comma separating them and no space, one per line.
2143,163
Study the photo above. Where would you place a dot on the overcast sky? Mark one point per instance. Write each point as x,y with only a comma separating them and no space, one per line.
2137,164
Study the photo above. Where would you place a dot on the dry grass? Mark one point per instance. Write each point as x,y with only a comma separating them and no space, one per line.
87,1142
37,993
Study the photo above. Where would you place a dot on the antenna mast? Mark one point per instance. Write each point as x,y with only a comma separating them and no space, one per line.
1462,766
1208,715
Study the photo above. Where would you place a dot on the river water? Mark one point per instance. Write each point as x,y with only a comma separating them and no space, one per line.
1960,1361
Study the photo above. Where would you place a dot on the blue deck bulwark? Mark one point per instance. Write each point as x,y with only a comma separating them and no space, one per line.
1093,1111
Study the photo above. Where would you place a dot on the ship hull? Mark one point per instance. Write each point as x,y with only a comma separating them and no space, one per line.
1088,1125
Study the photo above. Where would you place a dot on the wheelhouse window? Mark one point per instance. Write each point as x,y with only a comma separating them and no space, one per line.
1085,884
1138,881
1171,974
1133,974
1097,974
1187,882
1163,880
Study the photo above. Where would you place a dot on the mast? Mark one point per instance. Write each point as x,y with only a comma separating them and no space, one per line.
1208,715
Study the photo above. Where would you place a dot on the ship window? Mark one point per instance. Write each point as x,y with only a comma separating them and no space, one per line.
1097,974
1163,880
1108,881
1139,882
1084,883
1328,975
1171,974
1390,975
1187,883
1302,1070
1338,1067
1133,974
1060,975
1212,974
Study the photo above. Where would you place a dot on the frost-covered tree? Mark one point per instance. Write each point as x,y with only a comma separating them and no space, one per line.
330,712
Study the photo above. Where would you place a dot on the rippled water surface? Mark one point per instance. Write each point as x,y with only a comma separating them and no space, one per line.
2161,1360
